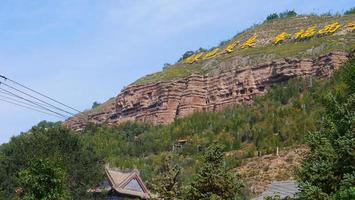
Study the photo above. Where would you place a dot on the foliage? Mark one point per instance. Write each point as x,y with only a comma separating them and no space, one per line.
213,181
49,141
281,118
272,17
186,55
350,11
288,13
167,181
328,172
285,14
42,180
95,105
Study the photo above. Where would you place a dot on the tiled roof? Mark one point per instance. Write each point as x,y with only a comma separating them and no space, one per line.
281,188
119,179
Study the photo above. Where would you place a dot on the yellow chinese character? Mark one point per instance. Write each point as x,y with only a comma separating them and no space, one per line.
189,59
231,46
351,25
211,54
309,32
280,37
197,57
298,34
329,29
249,42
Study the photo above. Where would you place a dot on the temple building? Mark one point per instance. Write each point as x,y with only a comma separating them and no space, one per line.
123,184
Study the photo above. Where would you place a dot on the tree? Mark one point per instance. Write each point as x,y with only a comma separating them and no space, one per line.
167,182
213,181
186,55
272,17
48,141
350,11
287,13
42,180
328,171
95,105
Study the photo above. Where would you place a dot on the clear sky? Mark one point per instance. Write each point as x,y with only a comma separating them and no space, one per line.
81,51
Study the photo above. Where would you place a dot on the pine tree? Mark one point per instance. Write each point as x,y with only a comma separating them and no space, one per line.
213,181
167,182
328,172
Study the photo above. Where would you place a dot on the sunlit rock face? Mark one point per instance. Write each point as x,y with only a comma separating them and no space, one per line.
163,102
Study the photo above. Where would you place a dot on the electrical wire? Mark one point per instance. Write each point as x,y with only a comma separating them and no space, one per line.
32,102
34,109
55,107
39,93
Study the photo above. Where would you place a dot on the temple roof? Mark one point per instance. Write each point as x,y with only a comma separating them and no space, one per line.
127,182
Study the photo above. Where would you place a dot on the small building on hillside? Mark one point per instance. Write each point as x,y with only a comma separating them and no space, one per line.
122,184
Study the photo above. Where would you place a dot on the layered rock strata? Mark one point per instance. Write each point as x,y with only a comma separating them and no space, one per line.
163,102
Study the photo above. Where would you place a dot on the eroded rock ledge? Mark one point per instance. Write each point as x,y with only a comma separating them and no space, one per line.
163,102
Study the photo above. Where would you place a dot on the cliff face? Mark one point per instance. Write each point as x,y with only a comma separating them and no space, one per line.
163,102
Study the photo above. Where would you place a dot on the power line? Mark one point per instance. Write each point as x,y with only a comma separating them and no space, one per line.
4,100
39,93
35,98
32,102
35,104
24,103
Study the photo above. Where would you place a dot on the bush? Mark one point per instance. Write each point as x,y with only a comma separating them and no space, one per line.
350,11
287,13
272,17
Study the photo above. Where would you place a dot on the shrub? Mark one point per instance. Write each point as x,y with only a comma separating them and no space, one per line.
272,17
350,11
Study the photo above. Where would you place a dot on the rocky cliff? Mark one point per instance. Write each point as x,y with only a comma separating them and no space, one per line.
164,101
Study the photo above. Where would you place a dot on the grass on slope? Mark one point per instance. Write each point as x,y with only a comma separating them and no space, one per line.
264,51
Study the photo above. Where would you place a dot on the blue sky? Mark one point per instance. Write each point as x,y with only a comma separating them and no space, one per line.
81,51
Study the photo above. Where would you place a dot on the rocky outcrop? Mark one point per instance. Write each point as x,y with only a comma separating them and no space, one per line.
163,102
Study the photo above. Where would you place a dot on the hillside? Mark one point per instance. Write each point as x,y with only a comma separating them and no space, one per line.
233,73
280,119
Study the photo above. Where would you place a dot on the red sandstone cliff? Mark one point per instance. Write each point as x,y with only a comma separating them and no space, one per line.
162,102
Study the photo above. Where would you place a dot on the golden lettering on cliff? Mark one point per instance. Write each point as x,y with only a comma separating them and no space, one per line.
189,59
310,31
230,47
351,25
249,42
211,54
280,37
198,56
329,29
298,34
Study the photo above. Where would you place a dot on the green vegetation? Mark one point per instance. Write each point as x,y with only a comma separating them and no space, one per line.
285,14
213,181
166,183
20,162
95,105
281,119
328,172
350,11
42,180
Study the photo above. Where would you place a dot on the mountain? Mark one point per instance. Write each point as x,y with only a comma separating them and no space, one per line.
233,73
